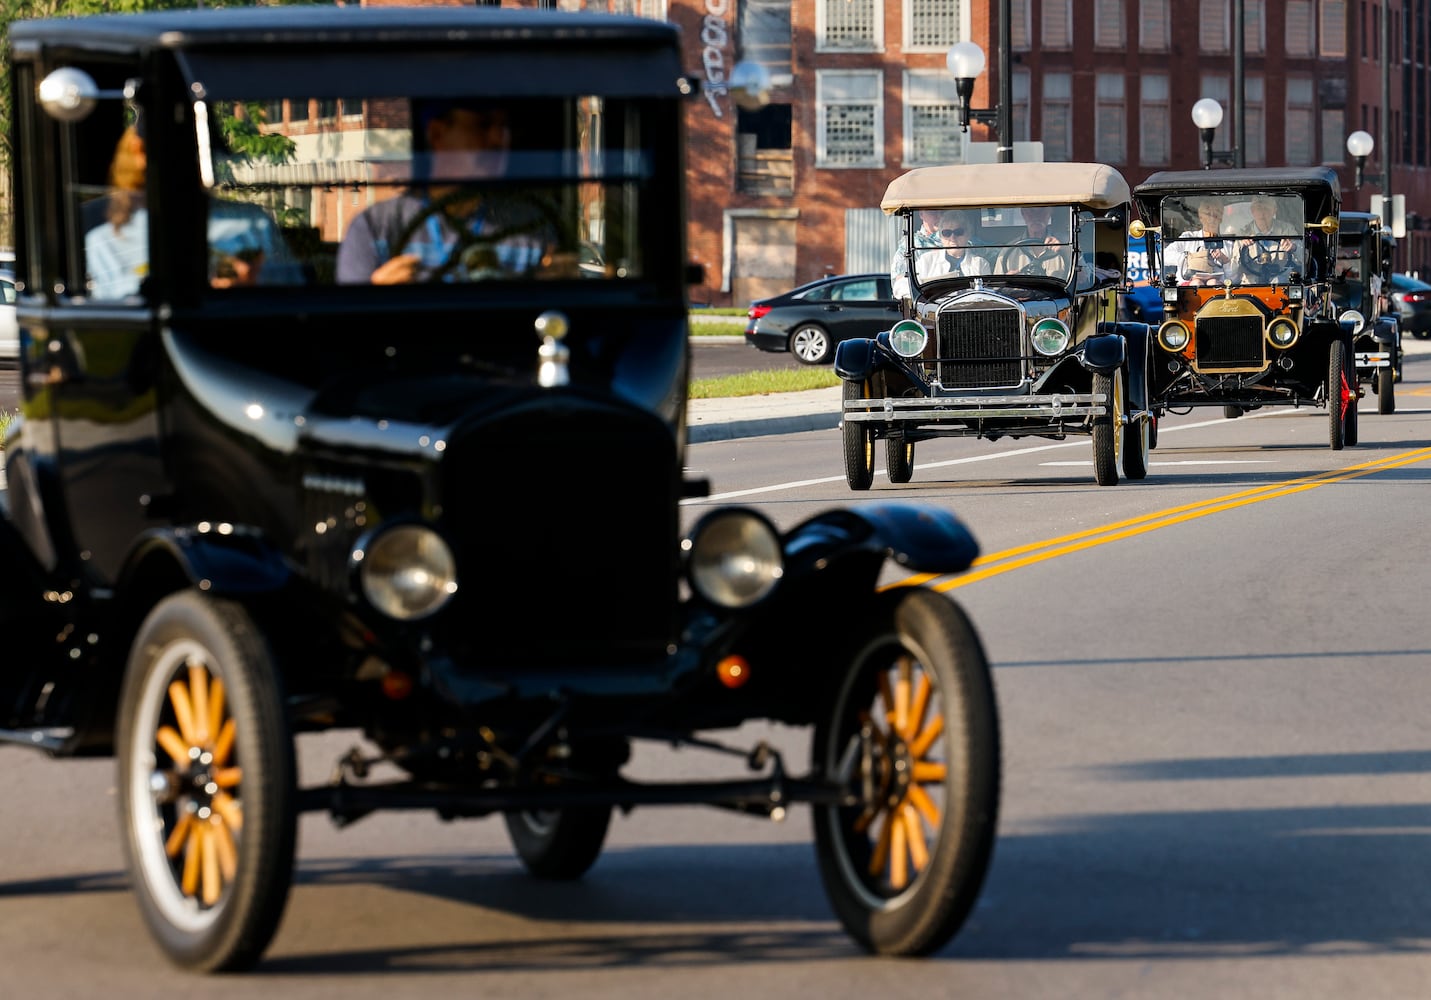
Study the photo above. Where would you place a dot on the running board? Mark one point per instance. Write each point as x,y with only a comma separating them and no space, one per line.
51,740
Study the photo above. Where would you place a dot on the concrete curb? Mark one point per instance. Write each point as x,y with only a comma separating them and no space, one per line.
758,427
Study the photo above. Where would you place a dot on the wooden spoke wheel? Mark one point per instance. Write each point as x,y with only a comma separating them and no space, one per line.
206,778
914,726
858,441
1108,430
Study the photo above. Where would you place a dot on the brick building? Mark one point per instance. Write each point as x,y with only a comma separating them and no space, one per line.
861,93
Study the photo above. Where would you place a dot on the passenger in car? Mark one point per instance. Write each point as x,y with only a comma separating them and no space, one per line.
1040,252
956,257
1263,259
1199,256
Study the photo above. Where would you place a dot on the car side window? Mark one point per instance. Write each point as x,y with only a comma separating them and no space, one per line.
858,291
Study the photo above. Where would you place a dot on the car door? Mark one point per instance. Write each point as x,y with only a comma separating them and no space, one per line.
861,307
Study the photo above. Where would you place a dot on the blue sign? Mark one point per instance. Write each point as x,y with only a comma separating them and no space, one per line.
1142,304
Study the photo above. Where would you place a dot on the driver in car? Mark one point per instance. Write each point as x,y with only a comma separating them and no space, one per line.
1040,251
448,230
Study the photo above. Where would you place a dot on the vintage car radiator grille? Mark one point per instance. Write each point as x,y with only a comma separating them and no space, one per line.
563,516
980,348
1229,342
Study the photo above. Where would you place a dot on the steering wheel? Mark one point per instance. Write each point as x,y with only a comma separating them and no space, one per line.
475,252
1031,265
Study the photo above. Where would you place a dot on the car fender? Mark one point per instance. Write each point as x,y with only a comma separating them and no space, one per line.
1385,331
1138,339
922,539
1103,353
855,360
234,564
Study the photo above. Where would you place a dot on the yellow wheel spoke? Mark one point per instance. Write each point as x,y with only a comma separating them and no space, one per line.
901,696
898,854
199,694
927,771
881,850
216,708
193,853
224,743
915,833
229,777
926,739
228,853
225,805
887,693
213,885
179,836
865,819
183,711
921,801
921,704
173,745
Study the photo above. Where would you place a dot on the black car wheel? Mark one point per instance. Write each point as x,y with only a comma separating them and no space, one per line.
810,344
1385,390
559,844
206,783
914,716
1231,412
1338,405
899,460
859,443
1136,445
1108,429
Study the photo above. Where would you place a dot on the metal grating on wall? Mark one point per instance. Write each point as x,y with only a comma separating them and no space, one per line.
870,238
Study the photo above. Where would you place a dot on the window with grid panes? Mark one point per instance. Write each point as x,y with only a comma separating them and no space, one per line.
1255,155
1213,25
1301,127
765,37
1299,34
1254,35
1057,110
1219,88
1333,28
1019,36
298,110
273,112
1110,112
1056,29
1153,118
851,119
1019,84
1333,136
847,24
1153,25
1108,24
934,23
931,119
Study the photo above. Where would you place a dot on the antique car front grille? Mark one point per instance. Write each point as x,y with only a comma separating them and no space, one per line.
980,348
563,515
1230,343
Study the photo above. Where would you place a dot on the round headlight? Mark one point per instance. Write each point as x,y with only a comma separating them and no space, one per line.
1353,320
1282,332
406,571
907,338
1050,336
734,557
1174,335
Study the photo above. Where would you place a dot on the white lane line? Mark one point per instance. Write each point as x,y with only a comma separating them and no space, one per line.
1082,442
1210,461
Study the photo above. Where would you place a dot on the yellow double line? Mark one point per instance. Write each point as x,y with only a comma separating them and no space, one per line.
1036,552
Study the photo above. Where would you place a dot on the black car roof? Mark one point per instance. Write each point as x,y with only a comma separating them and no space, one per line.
1319,186
1356,223
316,25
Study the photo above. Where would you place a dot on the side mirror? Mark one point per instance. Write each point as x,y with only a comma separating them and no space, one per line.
1137,229
1328,225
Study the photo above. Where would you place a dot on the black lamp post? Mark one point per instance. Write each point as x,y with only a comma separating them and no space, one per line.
1359,145
1207,116
966,61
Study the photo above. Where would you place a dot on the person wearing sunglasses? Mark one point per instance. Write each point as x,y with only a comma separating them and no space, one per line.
954,258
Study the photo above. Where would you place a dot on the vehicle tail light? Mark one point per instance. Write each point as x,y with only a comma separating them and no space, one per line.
1418,296
755,312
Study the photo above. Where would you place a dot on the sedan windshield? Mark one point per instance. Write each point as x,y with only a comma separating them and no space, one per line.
372,190
1233,239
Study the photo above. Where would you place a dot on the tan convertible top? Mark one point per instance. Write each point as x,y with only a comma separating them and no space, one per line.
1095,185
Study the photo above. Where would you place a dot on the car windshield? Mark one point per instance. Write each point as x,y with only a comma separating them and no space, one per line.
1242,239
996,242
1349,257
381,190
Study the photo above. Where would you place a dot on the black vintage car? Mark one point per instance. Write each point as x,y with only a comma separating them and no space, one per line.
1009,276
1245,260
354,396
1361,288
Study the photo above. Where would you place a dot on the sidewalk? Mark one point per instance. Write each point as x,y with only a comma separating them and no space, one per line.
773,413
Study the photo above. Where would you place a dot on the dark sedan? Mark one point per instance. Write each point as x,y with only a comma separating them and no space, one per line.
1412,299
810,320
